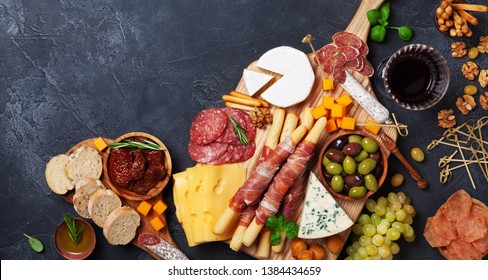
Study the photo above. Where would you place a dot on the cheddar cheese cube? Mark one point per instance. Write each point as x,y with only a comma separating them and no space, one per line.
348,123
373,128
318,112
159,207
338,122
331,126
327,84
144,207
345,100
100,144
157,223
328,102
338,111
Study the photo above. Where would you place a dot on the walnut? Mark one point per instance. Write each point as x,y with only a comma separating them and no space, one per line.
470,70
483,78
484,101
483,44
446,118
261,117
459,49
465,104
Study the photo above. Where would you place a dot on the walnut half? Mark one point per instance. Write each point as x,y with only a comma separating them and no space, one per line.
465,104
446,118
483,78
483,44
260,117
470,70
458,49
484,101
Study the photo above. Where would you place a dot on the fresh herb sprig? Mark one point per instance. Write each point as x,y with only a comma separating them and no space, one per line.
146,145
277,225
74,231
378,18
35,244
239,131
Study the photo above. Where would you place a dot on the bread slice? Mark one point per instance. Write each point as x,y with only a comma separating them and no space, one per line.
84,190
121,225
56,178
101,204
85,162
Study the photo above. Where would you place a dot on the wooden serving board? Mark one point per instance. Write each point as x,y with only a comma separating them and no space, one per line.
360,27
145,226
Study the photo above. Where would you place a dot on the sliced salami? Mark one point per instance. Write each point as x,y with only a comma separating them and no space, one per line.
432,237
249,151
473,227
347,39
207,126
244,120
364,49
465,250
148,239
458,206
350,52
355,64
207,153
443,227
367,69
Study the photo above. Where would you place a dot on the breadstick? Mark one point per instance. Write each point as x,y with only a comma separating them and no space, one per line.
263,245
245,96
242,101
235,242
470,7
457,18
276,126
238,106
278,248
291,122
467,16
306,118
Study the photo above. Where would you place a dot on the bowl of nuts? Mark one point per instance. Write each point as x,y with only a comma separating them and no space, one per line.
352,165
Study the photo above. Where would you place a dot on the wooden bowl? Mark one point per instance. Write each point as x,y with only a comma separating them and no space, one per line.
156,190
436,17
384,161
65,246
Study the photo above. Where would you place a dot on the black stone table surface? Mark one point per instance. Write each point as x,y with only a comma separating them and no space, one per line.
73,70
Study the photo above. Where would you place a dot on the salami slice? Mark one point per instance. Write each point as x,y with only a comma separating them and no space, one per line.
432,237
363,50
207,153
458,206
207,126
147,239
244,120
233,154
347,39
355,64
367,69
350,52
473,227
465,250
249,151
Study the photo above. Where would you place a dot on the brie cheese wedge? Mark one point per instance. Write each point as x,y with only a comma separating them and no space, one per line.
254,81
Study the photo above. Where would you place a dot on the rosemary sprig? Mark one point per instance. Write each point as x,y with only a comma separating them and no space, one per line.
74,232
147,145
239,131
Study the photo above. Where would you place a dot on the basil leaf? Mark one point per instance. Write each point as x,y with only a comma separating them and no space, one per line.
385,10
272,223
291,229
377,33
405,32
35,244
373,16
275,238
281,221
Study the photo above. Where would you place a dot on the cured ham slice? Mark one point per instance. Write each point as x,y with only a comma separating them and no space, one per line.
292,198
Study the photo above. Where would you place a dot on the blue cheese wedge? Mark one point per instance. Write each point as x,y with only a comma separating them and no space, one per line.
322,216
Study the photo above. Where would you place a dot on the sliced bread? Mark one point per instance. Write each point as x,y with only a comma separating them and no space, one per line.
85,162
101,204
121,225
56,178
84,190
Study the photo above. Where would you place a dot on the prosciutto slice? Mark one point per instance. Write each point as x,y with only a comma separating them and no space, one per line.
291,170
261,176
291,201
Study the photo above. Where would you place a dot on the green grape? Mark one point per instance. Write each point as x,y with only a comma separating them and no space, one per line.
392,197
372,250
400,215
390,216
387,242
402,197
356,245
364,240
396,205
382,228
409,232
410,239
348,258
408,220
375,219
356,257
350,250
382,200
410,210
385,221
376,257
384,251
392,234
400,227
368,259
380,209
395,248
389,258
364,219
362,252
357,229
369,230
378,240
370,205
408,201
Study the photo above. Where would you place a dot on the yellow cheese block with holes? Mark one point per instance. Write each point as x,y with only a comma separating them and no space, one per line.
180,191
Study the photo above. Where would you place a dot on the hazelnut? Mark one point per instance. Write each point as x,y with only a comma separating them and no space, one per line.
318,252
305,255
297,246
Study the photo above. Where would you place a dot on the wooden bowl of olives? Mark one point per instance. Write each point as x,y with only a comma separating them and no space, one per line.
352,165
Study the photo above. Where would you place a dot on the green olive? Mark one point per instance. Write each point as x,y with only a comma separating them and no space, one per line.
473,53
417,154
361,156
369,145
366,166
397,180
355,139
349,165
337,183
370,182
325,160
470,90
334,168
357,192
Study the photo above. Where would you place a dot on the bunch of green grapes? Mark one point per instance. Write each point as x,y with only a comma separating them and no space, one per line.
390,219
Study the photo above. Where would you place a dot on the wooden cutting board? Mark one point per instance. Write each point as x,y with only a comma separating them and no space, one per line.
145,226
360,27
